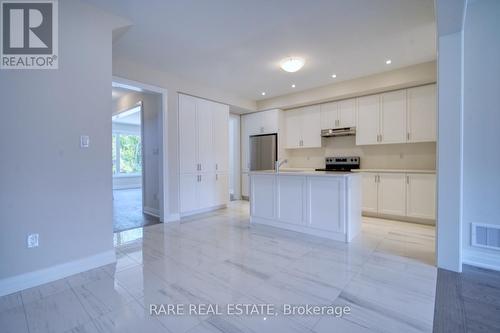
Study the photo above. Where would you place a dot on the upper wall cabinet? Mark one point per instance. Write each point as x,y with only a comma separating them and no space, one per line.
401,116
303,127
422,113
338,114
265,122
368,123
393,117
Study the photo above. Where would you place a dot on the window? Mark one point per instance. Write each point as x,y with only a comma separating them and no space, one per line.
126,154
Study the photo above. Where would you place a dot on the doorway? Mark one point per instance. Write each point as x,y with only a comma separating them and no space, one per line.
136,158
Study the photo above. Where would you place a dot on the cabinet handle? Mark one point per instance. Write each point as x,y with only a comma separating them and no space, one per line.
407,179
216,177
408,136
216,166
200,178
375,178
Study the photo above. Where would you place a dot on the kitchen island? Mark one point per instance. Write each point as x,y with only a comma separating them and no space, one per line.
324,204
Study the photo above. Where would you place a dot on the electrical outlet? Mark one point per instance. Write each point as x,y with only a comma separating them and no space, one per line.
32,240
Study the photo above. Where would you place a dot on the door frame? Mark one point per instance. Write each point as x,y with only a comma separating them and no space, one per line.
165,209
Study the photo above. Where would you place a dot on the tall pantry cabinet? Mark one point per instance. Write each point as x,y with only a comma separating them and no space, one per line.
203,154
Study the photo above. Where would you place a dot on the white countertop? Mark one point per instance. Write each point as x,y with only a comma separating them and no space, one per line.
299,172
395,170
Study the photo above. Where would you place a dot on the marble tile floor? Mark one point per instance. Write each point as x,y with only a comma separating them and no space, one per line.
386,276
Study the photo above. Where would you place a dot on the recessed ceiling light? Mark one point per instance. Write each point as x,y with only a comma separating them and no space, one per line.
334,76
388,62
293,85
292,64
263,93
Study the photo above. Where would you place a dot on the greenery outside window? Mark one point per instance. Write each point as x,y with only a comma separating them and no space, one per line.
126,154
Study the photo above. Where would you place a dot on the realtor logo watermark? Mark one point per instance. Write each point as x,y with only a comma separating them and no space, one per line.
29,36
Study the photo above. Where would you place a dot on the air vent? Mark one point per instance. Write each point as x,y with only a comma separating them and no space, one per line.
486,235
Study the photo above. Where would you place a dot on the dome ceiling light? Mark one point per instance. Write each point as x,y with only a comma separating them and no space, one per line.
292,64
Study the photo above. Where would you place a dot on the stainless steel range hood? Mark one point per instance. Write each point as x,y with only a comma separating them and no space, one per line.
346,131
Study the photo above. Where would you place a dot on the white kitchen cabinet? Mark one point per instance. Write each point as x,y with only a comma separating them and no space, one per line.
188,192
263,196
326,203
293,128
421,195
368,120
188,139
347,113
205,132
393,117
245,184
422,116
265,122
405,195
339,114
329,115
370,192
392,194
203,151
221,137
221,189
206,190
291,199
303,127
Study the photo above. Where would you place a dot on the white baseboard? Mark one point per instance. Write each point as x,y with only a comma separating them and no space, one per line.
151,211
202,211
341,237
482,259
32,279
173,217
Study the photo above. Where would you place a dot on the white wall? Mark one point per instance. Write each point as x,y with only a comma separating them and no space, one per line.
48,184
481,130
152,145
395,156
132,71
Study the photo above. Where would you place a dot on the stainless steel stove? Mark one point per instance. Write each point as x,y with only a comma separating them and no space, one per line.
341,163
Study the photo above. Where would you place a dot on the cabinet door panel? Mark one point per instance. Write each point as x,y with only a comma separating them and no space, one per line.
310,119
245,144
221,136
347,113
268,121
187,134
205,136
370,192
262,195
326,203
367,120
245,184
422,113
221,189
188,195
393,117
329,115
293,128
206,191
392,194
421,196
291,195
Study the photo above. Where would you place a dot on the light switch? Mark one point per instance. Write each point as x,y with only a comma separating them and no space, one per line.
32,240
84,141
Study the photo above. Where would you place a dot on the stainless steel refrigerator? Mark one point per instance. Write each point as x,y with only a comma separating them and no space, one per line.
263,151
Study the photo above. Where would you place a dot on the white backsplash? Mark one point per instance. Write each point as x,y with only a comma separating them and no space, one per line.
392,156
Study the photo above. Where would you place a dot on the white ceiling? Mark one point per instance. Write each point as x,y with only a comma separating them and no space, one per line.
237,45
132,117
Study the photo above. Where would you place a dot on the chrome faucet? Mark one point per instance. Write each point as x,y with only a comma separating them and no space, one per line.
278,164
